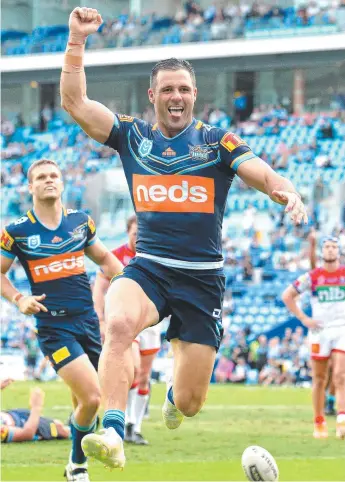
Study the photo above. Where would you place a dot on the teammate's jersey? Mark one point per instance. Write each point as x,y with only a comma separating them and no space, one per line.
179,188
124,254
54,260
10,419
327,294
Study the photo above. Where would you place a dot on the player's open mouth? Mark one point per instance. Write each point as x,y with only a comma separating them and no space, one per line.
176,111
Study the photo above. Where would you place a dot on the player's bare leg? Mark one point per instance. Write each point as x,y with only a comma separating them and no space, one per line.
142,397
320,375
130,416
193,366
338,359
81,377
127,312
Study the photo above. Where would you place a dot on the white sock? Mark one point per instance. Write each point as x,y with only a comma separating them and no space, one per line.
130,415
140,407
341,418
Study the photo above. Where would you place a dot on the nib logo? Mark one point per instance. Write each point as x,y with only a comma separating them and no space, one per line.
56,239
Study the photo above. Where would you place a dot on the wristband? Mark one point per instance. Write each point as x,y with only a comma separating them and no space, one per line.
16,298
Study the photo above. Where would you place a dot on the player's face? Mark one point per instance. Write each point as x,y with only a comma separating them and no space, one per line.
132,235
173,96
330,252
46,183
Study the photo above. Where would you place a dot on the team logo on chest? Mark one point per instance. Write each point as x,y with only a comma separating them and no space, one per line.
34,241
198,153
145,147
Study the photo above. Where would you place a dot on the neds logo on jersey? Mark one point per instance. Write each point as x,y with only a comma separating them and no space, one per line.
173,194
55,267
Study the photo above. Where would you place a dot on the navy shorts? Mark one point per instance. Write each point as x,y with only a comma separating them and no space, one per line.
193,298
66,338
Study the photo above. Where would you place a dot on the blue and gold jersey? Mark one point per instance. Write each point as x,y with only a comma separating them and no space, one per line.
179,188
54,259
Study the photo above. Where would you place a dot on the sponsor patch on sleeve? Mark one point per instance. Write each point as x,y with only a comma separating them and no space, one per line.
4,433
230,141
6,240
91,225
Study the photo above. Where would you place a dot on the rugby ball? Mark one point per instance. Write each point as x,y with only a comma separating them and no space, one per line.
258,464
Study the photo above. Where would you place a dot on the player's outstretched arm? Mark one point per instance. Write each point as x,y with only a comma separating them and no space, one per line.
259,175
94,118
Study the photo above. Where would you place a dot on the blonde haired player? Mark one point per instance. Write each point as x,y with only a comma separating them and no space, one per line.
179,172
326,330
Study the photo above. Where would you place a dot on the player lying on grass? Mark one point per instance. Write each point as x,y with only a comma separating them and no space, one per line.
26,425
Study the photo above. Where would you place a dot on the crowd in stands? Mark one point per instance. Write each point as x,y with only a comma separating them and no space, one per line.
190,23
259,263
276,361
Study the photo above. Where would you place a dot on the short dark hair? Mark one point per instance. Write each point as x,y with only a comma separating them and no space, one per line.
172,64
130,221
40,162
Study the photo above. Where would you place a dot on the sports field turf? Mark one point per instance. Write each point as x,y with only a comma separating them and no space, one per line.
208,447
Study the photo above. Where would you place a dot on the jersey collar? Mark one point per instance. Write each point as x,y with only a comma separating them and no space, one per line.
34,218
179,134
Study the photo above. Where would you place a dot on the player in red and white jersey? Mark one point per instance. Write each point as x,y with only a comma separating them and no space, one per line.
326,330
330,388
145,346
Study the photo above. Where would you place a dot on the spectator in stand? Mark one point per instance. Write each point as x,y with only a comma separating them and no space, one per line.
240,372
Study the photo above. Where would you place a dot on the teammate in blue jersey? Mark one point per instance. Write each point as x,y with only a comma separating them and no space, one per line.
50,243
25,425
179,172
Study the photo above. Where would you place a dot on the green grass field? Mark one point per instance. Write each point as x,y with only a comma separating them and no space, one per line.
206,448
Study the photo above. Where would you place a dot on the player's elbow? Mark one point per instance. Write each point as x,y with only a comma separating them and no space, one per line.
29,431
286,296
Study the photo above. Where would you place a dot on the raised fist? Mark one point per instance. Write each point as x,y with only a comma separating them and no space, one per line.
37,398
84,21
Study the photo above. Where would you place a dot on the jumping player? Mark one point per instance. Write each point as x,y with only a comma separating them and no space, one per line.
23,425
145,346
326,330
179,172
50,243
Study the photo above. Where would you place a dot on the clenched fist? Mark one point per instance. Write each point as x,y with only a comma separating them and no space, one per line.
37,398
84,21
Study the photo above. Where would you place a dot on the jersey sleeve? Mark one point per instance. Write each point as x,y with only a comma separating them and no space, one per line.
91,231
302,283
234,150
6,434
122,124
9,248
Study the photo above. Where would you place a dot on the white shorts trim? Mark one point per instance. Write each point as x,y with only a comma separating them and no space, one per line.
179,263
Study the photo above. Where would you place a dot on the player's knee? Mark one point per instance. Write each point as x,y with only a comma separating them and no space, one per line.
320,379
120,328
339,378
93,402
189,403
